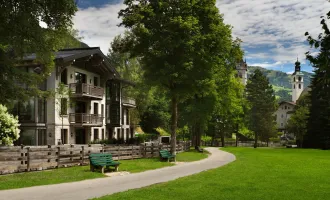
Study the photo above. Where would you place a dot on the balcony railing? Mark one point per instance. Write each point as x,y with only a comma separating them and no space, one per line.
128,101
86,119
86,90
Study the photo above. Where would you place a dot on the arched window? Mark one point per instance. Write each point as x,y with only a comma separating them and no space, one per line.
299,86
294,79
299,78
294,86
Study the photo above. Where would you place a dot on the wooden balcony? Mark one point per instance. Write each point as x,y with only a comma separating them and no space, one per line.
83,119
128,102
92,92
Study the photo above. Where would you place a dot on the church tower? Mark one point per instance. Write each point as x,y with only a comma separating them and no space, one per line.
297,82
242,71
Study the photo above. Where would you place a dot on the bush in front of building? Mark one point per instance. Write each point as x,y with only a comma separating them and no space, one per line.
9,131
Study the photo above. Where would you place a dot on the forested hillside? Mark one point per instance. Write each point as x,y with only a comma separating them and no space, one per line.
281,81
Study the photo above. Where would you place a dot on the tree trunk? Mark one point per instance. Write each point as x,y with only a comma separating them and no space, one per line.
255,140
198,135
174,124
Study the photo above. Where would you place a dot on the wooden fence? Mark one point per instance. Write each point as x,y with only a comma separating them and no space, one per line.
31,158
243,144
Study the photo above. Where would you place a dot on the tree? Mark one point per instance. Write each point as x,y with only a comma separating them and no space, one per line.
297,124
63,101
9,127
180,43
318,134
21,34
229,111
261,98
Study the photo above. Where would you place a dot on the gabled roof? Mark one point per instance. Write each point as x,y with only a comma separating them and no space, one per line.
287,102
67,55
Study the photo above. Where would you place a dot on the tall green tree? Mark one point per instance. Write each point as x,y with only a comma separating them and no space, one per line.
261,98
297,124
318,135
181,44
21,34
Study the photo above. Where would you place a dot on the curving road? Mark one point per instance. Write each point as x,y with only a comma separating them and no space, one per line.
103,186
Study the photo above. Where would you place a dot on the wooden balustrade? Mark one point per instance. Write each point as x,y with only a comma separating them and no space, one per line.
86,90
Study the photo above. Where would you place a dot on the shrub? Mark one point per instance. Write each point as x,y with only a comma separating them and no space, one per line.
274,139
9,131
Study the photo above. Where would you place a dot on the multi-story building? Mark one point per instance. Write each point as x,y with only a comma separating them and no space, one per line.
285,109
94,108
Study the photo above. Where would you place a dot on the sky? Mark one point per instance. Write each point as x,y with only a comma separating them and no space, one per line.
272,31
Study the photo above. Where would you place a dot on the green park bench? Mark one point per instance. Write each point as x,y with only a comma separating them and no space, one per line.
164,154
102,160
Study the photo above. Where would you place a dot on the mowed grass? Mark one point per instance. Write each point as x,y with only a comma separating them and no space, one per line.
261,173
190,156
78,173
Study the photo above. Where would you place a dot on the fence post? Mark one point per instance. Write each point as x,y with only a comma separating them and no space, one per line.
71,152
132,152
58,156
152,150
82,155
118,153
28,160
22,155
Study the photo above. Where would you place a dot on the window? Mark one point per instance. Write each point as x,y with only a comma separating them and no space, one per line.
102,110
102,134
299,78
127,117
299,86
96,134
42,137
64,106
96,81
64,136
41,110
294,86
281,124
294,79
285,107
80,77
25,110
96,108
64,77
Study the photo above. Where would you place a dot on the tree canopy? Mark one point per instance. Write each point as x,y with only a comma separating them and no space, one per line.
27,27
181,45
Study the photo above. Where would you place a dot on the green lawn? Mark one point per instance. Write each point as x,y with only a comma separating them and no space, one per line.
190,156
262,173
72,174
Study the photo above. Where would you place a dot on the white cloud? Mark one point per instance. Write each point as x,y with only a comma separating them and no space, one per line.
267,64
98,26
276,26
273,28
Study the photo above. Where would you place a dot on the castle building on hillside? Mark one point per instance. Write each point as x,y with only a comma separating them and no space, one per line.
242,71
286,109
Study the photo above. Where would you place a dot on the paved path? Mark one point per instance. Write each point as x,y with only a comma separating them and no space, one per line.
102,186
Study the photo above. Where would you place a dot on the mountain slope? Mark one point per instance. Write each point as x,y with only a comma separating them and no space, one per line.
280,81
